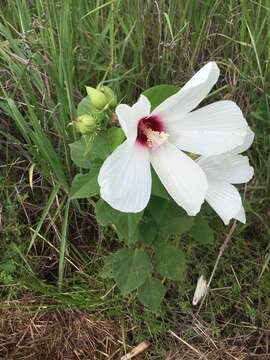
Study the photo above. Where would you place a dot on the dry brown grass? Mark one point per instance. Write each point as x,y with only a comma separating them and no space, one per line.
55,334
194,340
33,329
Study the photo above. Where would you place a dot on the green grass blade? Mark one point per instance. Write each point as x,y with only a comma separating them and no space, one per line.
44,214
61,265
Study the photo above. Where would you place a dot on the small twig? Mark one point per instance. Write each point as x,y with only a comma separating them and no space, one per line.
221,251
136,351
201,331
202,356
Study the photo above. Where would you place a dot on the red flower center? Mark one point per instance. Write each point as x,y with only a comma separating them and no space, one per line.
147,125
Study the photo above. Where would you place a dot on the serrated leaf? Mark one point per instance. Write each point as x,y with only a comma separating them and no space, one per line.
130,269
169,217
85,107
202,232
148,231
151,293
157,94
80,152
170,261
126,223
85,185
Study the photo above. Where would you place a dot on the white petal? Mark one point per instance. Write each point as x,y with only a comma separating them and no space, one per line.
190,95
181,176
200,291
246,144
228,167
125,178
213,129
224,198
129,116
241,215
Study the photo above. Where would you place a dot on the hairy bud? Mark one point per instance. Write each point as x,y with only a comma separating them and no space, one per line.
85,124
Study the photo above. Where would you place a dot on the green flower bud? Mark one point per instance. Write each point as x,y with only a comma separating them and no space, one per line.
110,95
101,97
97,98
85,124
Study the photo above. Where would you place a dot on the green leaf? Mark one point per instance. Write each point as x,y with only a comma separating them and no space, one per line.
107,270
202,232
170,262
148,231
105,214
80,152
85,185
151,293
157,187
127,227
106,141
169,217
115,137
130,269
126,223
85,107
157,94
101,148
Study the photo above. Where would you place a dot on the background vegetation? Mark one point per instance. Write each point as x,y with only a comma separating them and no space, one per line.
51,247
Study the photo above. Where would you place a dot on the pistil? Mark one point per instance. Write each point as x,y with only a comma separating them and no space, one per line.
151,132
155,138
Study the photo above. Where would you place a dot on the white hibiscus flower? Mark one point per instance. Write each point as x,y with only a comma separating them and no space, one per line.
222,171
158,138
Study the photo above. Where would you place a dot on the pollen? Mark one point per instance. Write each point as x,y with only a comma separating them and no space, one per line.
155,138
151,132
